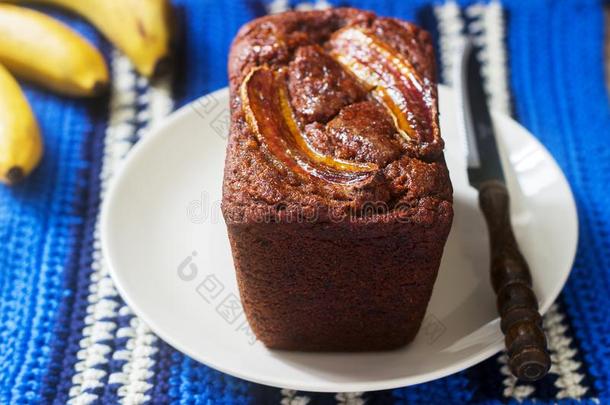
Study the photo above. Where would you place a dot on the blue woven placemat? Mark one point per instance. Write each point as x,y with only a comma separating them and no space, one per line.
65,334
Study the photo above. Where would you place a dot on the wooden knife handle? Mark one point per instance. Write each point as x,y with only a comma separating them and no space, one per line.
511,279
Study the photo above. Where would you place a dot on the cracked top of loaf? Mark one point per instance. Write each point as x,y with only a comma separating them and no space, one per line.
334,113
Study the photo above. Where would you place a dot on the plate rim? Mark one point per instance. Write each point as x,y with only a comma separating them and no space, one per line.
157,131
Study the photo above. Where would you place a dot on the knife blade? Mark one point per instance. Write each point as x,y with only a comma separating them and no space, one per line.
511,280
476,123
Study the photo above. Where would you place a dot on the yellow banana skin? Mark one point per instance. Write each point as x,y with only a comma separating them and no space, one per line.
142,29
40,49
20,141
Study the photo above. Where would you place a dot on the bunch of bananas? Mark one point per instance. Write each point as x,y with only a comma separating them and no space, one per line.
44,51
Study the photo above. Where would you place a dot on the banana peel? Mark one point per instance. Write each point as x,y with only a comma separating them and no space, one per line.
40,49
47,52
142,29
21,145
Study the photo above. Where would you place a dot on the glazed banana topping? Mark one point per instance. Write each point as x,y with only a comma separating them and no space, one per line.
392,79
270,117
294,111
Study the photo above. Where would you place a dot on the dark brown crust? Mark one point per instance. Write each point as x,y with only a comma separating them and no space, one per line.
322,266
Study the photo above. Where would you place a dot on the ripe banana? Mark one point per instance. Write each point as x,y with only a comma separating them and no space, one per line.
20,141
40,49
139,28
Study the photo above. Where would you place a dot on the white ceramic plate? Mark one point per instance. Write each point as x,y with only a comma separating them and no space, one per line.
166,244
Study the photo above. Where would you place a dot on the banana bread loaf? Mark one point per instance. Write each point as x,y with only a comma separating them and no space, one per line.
336,194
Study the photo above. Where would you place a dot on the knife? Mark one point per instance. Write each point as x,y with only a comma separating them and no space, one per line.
517,304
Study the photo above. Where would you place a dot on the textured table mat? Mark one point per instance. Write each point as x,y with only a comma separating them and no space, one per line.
66,335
